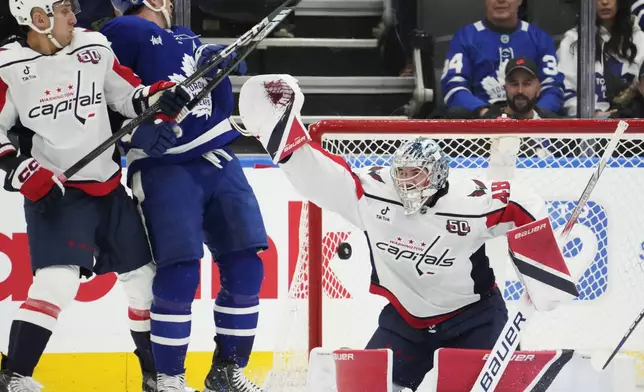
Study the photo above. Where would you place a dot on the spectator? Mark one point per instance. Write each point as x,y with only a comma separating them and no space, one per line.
522,88
632,100
637,9
473,76
92,11
619,55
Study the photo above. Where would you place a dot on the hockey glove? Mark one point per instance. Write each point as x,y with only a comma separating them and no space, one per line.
154,137
204,53
171,98
33,180
270,106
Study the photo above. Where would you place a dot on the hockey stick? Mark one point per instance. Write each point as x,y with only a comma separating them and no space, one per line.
510,336
282,12
624,339
254,35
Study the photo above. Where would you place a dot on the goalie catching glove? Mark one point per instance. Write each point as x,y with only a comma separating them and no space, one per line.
270,106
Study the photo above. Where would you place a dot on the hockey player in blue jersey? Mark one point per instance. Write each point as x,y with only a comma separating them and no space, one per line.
473,75
195,193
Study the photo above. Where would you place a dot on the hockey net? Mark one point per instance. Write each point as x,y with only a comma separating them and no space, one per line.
328,304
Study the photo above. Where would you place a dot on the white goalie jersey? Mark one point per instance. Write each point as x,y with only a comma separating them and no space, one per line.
429,264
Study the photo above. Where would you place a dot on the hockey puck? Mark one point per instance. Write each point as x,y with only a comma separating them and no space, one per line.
344,250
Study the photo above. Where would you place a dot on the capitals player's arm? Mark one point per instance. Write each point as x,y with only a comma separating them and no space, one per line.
568,66
513,206
458,73
8,118
552,80
326,180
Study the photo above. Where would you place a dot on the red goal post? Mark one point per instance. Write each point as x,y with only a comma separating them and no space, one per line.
565,136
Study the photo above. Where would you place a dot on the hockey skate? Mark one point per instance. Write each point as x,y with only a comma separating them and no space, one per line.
161,383
227,376
12,382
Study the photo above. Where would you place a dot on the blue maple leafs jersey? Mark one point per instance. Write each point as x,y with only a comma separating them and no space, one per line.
474,71
157,54
620,68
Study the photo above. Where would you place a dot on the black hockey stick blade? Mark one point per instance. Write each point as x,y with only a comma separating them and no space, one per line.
624,339
252,35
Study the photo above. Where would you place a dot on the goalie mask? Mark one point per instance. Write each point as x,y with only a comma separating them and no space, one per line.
419,169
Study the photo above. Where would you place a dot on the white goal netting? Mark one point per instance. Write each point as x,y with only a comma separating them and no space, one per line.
605,249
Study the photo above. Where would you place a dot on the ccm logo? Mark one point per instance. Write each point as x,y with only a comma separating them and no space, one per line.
509,339
342,357
529,231
516,357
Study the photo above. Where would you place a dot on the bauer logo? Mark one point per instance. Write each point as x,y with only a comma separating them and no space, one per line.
585,251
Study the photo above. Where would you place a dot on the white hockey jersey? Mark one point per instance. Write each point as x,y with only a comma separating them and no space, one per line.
620,67
63,98
430,264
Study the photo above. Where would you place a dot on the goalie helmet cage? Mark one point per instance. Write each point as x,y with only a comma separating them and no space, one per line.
553,157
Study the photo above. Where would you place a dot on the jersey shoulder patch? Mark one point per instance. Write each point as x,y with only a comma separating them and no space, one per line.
475,197
377,182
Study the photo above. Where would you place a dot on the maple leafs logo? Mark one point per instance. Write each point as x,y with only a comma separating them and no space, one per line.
188,67
374,173
480,189
493,85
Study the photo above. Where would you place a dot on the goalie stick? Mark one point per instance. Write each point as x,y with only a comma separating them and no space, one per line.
510,336
252,37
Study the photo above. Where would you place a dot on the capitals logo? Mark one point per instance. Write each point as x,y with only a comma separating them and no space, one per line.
586,249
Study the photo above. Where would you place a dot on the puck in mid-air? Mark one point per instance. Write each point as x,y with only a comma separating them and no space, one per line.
344,250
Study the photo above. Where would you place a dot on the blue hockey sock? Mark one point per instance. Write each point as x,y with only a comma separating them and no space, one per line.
174,289
236,308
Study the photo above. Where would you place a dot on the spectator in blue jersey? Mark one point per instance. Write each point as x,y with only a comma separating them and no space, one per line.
473,75
619,54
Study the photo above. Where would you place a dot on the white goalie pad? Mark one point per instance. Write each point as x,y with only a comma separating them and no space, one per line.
540,265
270,106
347,370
